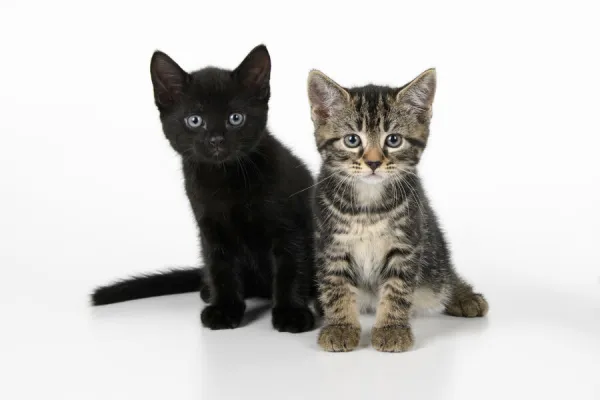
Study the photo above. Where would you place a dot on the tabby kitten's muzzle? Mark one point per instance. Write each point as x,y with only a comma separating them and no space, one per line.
373,164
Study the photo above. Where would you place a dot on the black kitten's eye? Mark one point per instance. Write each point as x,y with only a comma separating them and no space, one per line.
393,141
193,121
352,140
236,119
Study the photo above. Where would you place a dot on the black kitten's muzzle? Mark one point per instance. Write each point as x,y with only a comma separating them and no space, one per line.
216,146
213,149
216,142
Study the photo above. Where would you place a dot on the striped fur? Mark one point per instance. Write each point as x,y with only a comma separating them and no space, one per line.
378,242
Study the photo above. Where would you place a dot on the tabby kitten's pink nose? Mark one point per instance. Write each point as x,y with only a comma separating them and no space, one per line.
373,164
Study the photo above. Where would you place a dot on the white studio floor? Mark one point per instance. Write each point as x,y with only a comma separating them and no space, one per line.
537,342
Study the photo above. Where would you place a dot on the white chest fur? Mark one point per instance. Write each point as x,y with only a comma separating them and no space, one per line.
368,244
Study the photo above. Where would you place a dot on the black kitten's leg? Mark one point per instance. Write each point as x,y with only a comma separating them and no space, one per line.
204,288
225,280
259,279
292,284
227,300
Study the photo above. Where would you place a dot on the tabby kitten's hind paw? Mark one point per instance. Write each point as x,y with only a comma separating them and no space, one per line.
392,339
223,317
293,319
470,305
339,337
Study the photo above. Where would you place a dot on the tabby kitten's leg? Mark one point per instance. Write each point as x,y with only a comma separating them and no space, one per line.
292,284
464,302
337,296
392,332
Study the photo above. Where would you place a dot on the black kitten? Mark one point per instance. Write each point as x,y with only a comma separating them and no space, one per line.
247,193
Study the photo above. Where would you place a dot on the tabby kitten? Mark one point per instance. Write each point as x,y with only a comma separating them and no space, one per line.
378,242
246,191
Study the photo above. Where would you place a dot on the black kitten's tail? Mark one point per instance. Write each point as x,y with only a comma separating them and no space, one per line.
158,284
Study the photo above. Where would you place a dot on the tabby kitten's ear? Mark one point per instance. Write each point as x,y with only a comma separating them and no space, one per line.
168,79
325,96
420,92
255,71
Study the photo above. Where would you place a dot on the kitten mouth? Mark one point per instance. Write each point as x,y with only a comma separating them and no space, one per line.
372,178
219,153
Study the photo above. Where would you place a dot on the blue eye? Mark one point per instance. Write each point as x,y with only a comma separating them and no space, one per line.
236,119
393,140
193,121
352,141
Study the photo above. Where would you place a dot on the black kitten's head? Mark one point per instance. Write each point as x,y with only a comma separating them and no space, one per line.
213,115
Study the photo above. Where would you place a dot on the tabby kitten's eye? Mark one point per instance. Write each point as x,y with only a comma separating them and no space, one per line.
393,141
193,121
236,119
352,141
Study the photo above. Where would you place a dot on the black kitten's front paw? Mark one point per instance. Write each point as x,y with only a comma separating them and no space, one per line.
223,317
293,319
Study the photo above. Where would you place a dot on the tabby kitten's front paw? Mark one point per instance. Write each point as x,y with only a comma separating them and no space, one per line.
223,317
293,319
393,339
339,337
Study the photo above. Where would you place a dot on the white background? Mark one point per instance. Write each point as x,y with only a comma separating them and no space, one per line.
91,191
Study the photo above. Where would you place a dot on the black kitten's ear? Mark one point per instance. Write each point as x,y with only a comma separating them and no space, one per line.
325,96
254,72
420,92
168,78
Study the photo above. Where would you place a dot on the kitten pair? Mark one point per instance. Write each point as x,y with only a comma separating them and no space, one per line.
375,238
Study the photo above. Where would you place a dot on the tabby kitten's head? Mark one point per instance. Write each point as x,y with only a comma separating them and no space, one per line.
371,133
213,115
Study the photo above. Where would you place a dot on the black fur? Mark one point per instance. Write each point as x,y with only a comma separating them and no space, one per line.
169,282
247,192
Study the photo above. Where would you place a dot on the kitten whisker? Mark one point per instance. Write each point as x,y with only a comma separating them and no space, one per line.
413,190
243,171
312,186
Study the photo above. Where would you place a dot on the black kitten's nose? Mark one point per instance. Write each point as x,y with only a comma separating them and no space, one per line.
216,141
373,164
